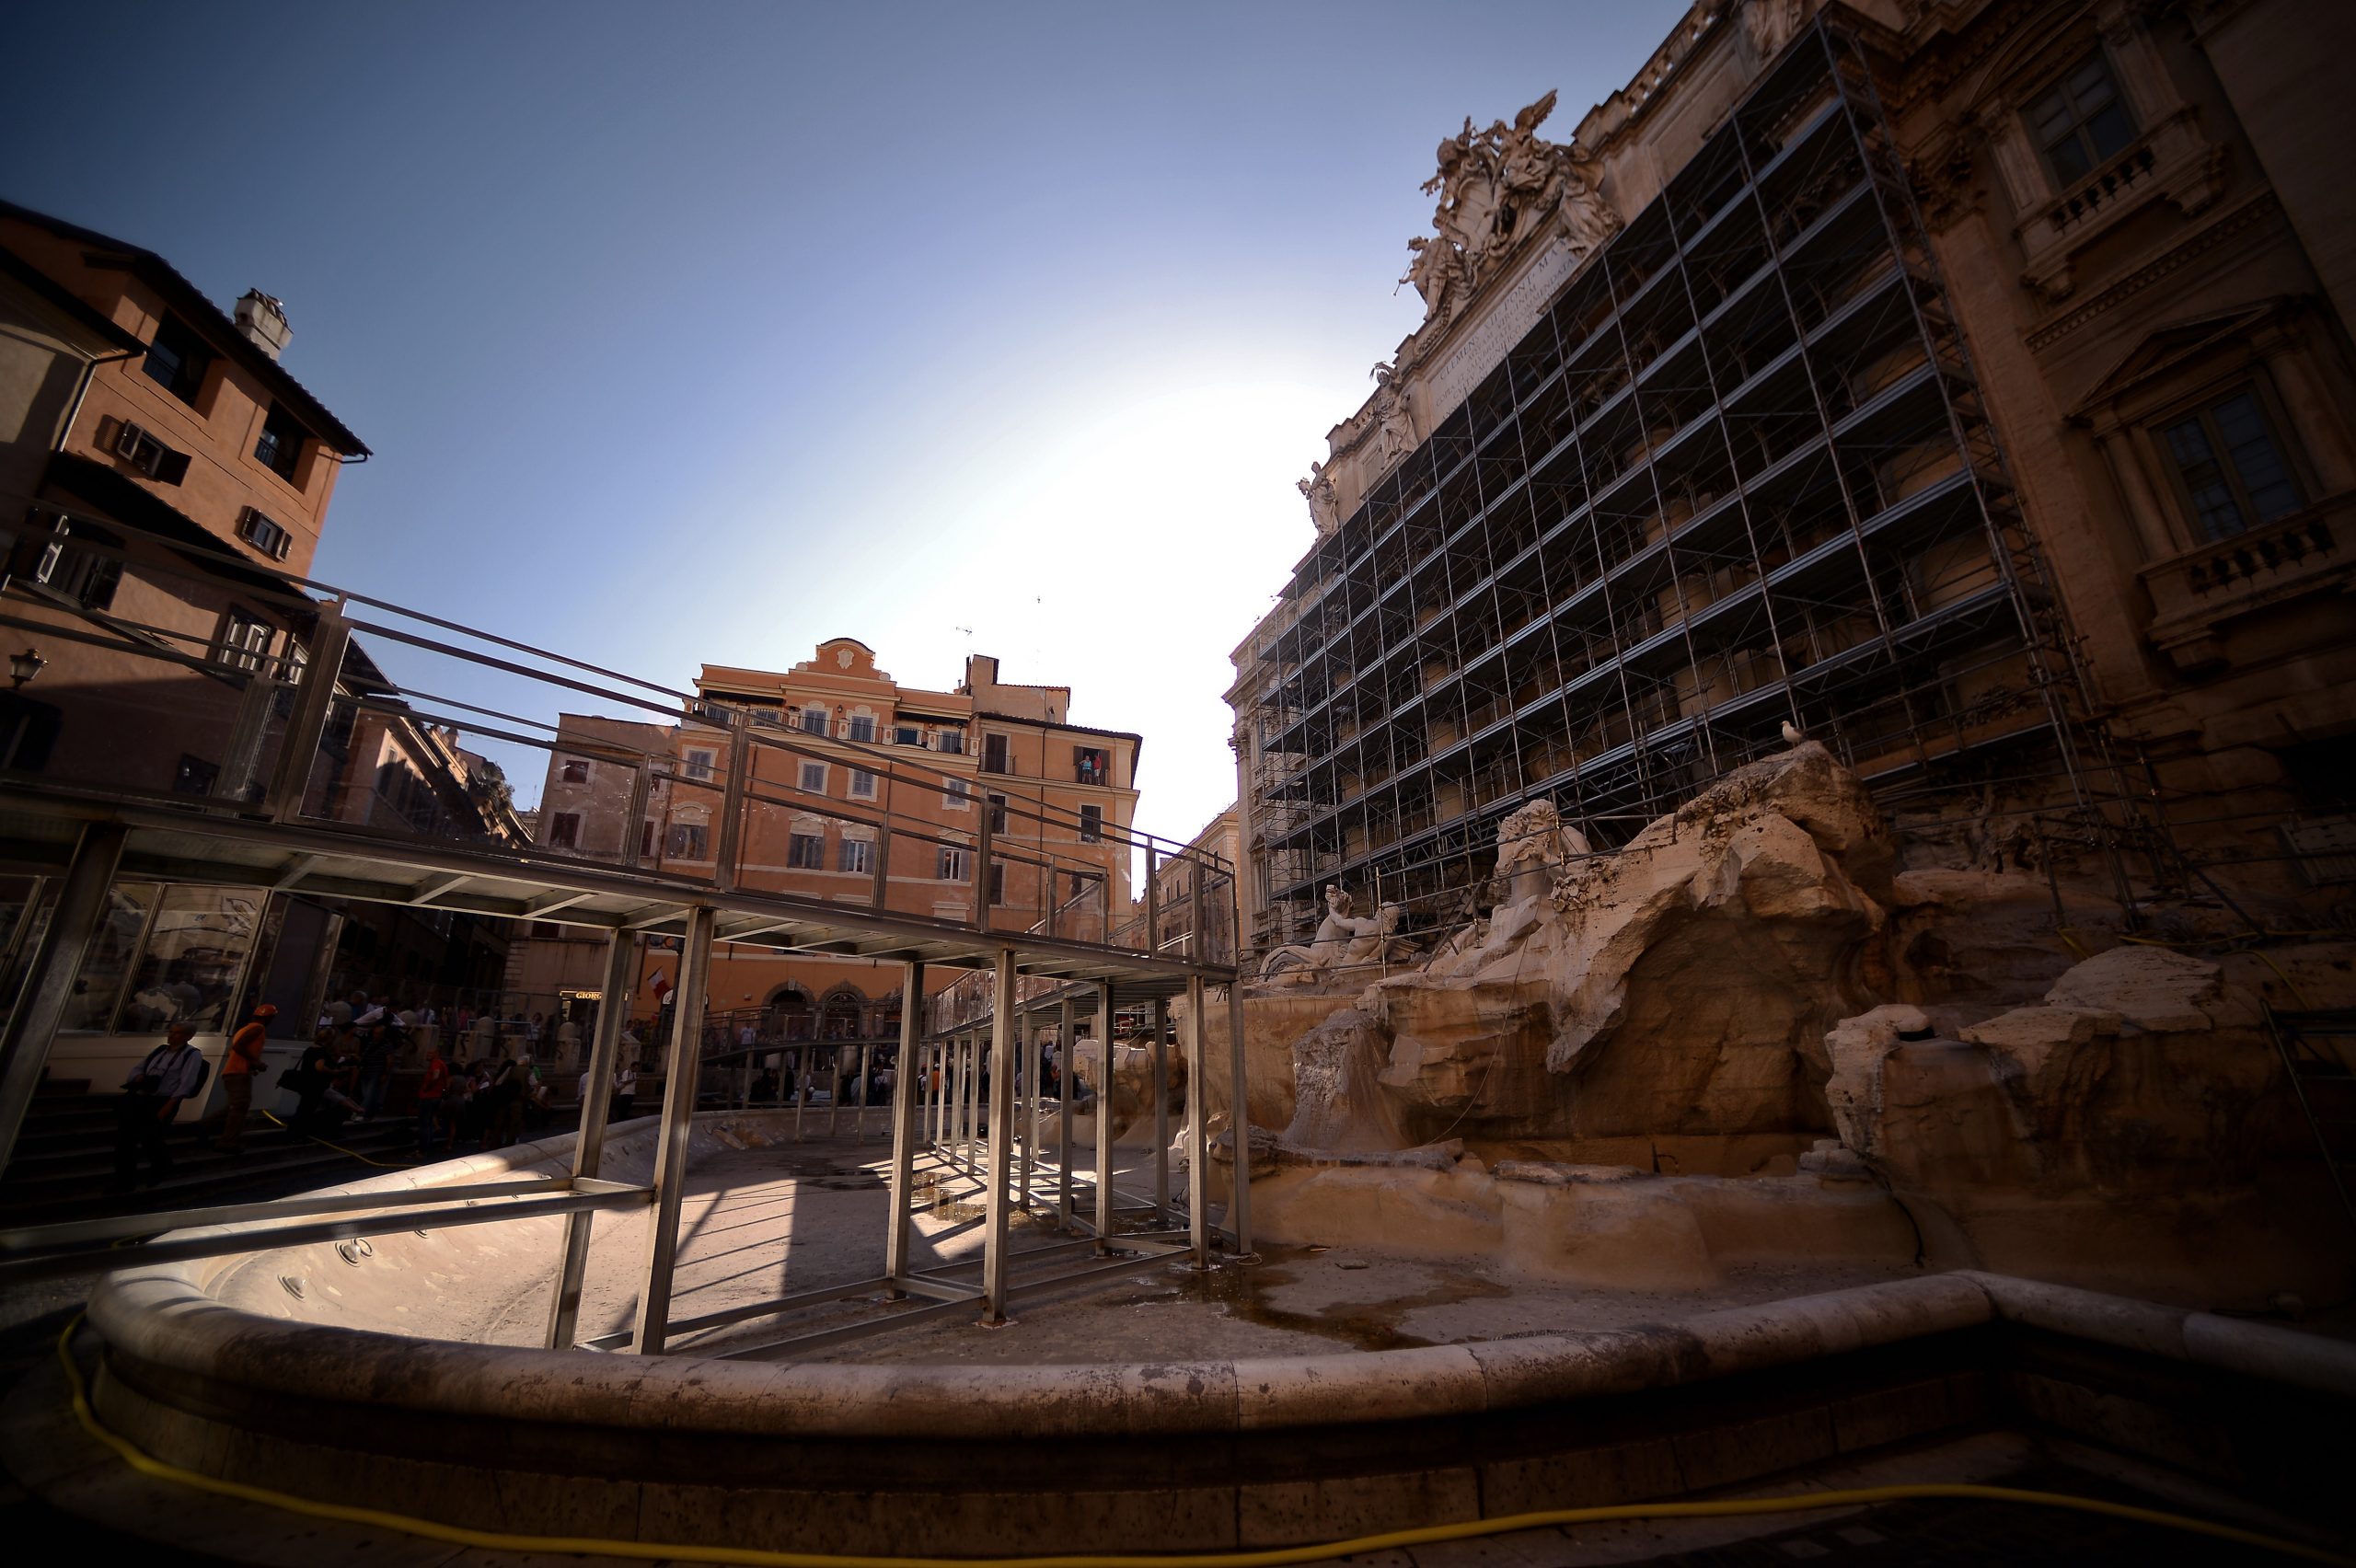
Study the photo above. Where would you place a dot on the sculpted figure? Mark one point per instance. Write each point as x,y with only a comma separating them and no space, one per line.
1344,939
1533,844
1323,509
1437,271
1497,188
1392,428
1770,24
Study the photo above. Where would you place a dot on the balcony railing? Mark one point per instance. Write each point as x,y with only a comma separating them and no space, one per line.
2195,593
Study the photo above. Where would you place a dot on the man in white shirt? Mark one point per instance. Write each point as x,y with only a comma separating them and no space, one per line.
625,1093
152,1095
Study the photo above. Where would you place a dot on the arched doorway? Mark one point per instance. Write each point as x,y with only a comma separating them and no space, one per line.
842,1015
790,1014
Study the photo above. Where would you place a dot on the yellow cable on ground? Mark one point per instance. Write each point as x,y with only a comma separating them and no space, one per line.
379,1164
756,1557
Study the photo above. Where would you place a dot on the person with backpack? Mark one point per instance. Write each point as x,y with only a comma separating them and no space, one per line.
172,1074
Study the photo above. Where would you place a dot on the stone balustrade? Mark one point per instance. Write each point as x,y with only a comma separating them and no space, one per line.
2195,593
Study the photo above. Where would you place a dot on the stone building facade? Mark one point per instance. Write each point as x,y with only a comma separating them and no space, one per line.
1965,386
847,749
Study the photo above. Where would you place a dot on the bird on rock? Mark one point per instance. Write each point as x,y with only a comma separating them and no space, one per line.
1793,733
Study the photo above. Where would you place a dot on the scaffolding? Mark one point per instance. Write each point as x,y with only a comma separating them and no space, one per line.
1738,476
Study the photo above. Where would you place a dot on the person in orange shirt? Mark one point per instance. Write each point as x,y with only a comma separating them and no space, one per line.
239,1067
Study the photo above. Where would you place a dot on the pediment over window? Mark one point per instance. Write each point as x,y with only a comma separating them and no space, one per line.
2168,349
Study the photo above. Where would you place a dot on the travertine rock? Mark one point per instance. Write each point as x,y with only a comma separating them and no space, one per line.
2149,986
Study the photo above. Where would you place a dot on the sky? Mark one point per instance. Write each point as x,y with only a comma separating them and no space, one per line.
706,332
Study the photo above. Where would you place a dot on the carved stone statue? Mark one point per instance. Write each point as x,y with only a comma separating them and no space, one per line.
1532,845
1770,24
1344,940
1499,189
1394,431
1323,510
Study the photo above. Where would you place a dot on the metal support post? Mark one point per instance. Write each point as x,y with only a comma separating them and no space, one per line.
905,1099
1152,942
56,967
1028,1034
314,705
1239,1122
976,1073
589,1148
685,1056
835,1093
1105,1115
800,1090
866,1076
1161,1021
1063,1116
1005,1030
731,851
1198,1143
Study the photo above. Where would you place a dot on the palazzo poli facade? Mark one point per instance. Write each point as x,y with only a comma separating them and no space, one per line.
1966,386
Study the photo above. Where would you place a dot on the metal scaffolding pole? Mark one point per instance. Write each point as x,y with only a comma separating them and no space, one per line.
589,1148
1239,1122
1198,1208
1104,1116
905,1101
1063,1116
671,1148
1005,1028
866,1076
56,969
835,1095
1160,1023
1028,1033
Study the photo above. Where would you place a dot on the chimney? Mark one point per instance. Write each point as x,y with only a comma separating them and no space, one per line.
263,318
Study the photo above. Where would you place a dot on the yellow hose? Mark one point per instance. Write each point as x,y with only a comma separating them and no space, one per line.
757,1556
379,1164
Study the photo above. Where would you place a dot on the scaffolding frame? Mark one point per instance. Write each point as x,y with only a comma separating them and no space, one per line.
1738,475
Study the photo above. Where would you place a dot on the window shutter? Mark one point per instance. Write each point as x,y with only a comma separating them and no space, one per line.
173,469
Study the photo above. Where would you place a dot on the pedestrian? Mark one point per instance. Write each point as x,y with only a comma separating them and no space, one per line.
625,1093
239,1067
377,1067
433,1091
151,1097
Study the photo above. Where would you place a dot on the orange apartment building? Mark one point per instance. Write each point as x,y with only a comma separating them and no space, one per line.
848,747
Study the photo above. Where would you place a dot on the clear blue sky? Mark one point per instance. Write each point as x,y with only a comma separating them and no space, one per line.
707,332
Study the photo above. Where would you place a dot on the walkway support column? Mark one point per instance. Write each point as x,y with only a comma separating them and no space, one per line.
1063,1116
685,1056
1028,1034
866,1076
1198,1143
835,1094
905,1100
589,1148
56,965
1104,1116
1160,1023
1005,1030
1239,1123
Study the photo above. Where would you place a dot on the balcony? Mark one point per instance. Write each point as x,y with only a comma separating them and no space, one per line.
2195,594
2173,160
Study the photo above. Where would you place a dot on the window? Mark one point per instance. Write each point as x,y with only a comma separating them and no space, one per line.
814,777
264,535
998,882
994,754
564,830
700,764
245,639
195,776
953,865
82,575
687,841
1091,764
150,456
854,855
862,727
177,359
908,735
814,721
806,852
646,839
576,770
998,814
2231,465
956,794
2081,122
863,784
1092,824
280,444
951,741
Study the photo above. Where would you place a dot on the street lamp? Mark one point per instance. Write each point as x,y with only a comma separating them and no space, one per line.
24,666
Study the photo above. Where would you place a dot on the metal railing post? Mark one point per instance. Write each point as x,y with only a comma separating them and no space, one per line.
982,836
903,1127
1152,942
1198,1208
314,705
866,1076
685,1056
56,966
731,848
1063,1116
589,1148
1239,1122
1029,1035
1105,1115
1004,1030
1161,1024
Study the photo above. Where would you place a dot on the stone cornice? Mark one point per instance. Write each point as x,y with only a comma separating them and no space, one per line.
2234,220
